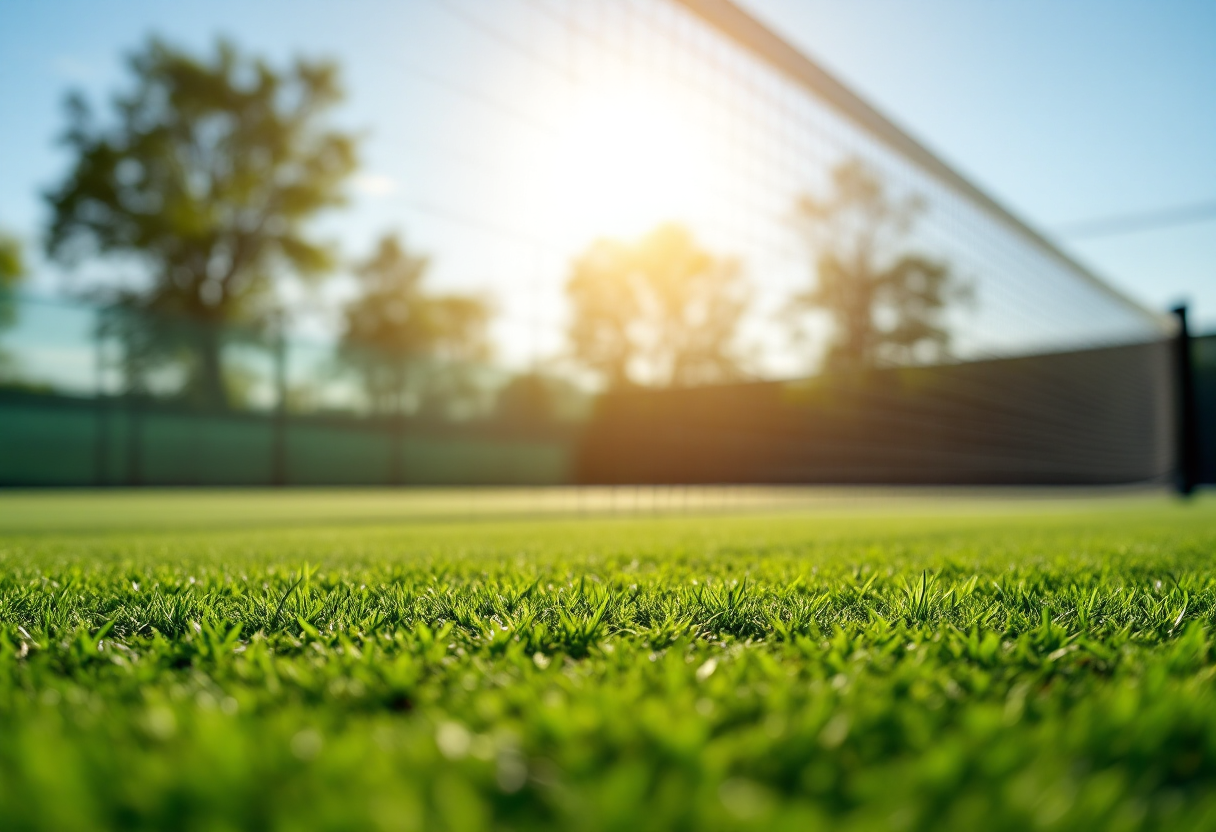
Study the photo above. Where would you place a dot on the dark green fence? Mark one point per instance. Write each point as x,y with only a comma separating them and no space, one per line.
96,396
86,404
61,440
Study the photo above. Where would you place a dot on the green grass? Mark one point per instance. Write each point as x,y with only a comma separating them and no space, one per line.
352,661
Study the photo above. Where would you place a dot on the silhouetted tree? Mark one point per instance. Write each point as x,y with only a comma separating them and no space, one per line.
395,321
660,310
886,304
207,176
526,402
537,402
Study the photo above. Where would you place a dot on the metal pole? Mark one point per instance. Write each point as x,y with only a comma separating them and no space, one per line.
101,461
278,450
1188,423
396,421
135,474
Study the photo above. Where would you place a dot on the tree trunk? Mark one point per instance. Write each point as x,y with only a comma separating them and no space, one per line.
211,389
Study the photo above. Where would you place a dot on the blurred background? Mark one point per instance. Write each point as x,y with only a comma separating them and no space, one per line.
551,242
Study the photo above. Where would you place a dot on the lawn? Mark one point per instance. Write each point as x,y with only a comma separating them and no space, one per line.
372,660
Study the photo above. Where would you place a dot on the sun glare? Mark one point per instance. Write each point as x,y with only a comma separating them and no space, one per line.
624,163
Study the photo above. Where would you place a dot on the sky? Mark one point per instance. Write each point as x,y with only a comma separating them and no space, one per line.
1062,111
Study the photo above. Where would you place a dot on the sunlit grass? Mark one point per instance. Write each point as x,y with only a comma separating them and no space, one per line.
880,663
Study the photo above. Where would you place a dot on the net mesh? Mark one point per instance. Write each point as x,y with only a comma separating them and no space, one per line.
610,116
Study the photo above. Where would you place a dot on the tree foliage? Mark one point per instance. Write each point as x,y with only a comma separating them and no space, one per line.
886,304
207,175
538,402
395,321
660,310
12,269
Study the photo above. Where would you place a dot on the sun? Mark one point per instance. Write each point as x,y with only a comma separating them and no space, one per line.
624,162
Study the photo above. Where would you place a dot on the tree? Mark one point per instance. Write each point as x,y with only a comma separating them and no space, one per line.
207,176
886,304
395,321
660,310
12,269
538,403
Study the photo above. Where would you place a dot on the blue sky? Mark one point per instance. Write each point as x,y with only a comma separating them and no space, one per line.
1063,111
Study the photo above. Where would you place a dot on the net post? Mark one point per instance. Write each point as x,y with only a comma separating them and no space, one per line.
1188,425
